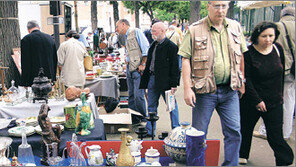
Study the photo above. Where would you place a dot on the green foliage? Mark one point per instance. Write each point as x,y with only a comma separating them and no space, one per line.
163,15
203,11
129,5
167,10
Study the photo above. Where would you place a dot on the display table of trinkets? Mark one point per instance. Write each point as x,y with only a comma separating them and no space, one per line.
128,151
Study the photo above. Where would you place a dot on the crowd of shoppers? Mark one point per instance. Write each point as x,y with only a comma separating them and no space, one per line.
241,80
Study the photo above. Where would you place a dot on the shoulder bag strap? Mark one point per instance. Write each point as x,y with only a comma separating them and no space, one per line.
277,50
289,41
172,35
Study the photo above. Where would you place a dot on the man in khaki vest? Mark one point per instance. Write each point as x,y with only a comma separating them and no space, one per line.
212,71
137,46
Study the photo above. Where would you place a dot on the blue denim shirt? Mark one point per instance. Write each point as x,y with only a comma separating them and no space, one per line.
142,40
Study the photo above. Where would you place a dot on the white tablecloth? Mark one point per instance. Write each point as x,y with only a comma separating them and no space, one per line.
26,109
108,87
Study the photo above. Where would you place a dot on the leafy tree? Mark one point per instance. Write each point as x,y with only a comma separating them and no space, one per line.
203,10
170,10
147,6
115,11
94,14
195,7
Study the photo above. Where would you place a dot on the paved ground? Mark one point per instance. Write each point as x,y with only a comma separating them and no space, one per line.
261,153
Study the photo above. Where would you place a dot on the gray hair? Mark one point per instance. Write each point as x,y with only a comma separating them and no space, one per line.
171,27
124,21
288,11
209,2
32,24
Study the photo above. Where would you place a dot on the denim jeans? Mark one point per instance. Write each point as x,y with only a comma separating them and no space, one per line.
226,103
153,98
136,100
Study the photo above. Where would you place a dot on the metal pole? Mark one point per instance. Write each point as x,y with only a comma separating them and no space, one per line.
76,16
56,28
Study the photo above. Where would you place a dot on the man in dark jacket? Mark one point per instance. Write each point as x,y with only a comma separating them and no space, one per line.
37,50
161,72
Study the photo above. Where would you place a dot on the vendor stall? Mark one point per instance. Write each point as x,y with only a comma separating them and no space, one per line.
34,140
28,109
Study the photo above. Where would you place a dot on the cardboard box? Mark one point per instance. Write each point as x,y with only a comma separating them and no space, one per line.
119,118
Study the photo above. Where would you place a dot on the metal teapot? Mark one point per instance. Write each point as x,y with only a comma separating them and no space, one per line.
41,86
4,144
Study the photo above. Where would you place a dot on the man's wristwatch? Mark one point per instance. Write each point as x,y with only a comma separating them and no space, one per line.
244,80
144,64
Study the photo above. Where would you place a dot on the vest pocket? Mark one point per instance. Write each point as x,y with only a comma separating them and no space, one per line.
236,38
204,85
200,66
238,57
201,43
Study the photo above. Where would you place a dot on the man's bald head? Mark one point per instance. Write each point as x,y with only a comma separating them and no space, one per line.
158,31
159,25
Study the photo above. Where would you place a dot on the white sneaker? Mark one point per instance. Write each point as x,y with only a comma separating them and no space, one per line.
257,134
242,161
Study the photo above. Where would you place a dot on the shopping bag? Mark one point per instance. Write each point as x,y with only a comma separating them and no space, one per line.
88,63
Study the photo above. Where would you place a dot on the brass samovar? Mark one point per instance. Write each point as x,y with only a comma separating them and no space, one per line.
125,157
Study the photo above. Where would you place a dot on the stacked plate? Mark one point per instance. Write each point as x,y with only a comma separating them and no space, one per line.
17,131
57,120
30,121
38,128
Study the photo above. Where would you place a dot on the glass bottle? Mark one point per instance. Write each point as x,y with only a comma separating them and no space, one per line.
25,153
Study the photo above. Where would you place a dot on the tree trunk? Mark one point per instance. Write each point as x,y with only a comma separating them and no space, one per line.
195,7
76,16
137,14
94,15
9,39
115,11
230,10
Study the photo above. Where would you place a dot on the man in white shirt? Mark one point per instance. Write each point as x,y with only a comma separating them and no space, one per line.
70,59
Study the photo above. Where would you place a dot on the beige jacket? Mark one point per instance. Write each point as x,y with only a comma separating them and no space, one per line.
290,24
71,54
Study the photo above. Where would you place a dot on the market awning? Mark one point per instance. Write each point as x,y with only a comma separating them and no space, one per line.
247,5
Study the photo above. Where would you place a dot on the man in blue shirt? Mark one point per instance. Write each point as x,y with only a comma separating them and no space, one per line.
137,47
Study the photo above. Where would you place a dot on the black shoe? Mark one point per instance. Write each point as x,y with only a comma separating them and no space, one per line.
147,136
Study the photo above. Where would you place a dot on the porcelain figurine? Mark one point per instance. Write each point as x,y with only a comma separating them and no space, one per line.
83,117
111,158
135,146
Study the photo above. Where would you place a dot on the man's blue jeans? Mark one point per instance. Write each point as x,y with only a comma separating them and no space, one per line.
136,100
226,103
153,101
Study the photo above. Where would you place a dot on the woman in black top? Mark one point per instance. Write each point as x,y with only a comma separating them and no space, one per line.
264,62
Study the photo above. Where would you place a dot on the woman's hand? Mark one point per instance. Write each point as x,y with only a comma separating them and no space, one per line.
261,107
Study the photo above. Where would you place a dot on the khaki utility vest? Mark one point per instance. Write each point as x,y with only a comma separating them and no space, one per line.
134,50
203,59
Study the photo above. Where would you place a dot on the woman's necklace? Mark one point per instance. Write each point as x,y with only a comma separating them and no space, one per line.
264,51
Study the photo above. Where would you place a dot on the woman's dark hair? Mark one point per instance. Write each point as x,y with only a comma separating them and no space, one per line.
72,33
262,27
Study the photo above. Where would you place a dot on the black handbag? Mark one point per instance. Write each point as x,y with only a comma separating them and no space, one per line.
110,104
292,70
